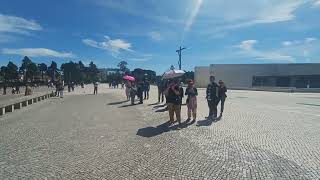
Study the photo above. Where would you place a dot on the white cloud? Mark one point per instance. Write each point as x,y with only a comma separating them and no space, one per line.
194,12
217,16
13,24
316,3
155,36
112,45
247,45
287,43
37,52
310,39
299,42
247,49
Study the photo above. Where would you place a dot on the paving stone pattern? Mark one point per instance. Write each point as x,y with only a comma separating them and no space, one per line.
261,136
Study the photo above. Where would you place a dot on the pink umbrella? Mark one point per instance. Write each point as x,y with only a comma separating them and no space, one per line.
129,78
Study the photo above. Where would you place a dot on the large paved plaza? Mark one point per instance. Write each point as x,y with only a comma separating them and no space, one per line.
262,135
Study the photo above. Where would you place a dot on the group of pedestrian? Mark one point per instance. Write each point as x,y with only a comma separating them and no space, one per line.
173,92
140,89
59,88
71,86
115,84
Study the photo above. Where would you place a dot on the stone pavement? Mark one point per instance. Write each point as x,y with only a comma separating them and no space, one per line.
262,135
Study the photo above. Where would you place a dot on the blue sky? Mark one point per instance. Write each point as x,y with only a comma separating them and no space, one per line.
146,33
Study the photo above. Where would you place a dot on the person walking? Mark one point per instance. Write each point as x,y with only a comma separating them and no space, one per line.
57,89
212,96
191,93
4,89
95,90
61,89
146,89
17,88
222,95
173,102
140,92
132,93
127,90
161,88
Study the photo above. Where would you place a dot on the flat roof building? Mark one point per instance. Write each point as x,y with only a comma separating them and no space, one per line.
302,75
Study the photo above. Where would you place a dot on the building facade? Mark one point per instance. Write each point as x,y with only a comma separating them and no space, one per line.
306,75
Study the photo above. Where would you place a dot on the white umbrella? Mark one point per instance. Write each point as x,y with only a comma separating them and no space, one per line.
173,74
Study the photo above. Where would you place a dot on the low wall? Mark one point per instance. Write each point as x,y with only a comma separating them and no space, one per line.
19,103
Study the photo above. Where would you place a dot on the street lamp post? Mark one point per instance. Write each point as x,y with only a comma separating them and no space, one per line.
179,51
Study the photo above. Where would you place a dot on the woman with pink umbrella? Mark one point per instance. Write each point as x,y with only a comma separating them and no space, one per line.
129,80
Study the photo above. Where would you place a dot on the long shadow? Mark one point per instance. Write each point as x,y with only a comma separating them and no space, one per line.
162,110
162,128
155,131
159,106
208,122
116,103
127,105
153,104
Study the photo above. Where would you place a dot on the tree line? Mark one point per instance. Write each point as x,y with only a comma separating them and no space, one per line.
71,71
30,71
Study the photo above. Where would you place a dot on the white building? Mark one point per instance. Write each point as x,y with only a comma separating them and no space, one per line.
304,75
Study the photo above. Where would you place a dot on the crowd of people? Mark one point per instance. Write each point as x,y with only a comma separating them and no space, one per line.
173,92
139,89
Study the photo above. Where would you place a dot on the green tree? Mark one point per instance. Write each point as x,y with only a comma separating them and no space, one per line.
123,67
52,70
42,68
12,71
93,71
32,70
71,71
25,63
3,72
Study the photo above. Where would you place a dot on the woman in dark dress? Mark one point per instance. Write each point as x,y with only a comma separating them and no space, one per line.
222,95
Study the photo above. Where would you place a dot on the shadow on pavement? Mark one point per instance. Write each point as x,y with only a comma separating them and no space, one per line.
128,105
159,106
162,110
208,122
116,103
153,104
162,128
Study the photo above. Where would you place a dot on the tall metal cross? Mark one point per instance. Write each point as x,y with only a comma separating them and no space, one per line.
179,51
